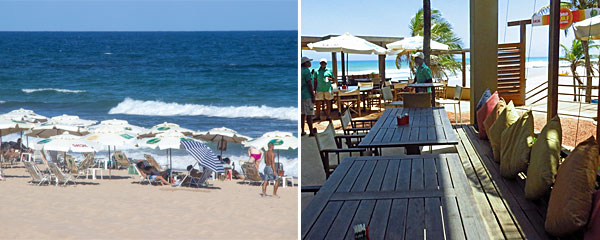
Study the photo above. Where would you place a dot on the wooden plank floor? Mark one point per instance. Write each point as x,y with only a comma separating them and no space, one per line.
507,214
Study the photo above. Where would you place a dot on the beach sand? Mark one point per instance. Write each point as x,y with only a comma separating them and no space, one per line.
122,208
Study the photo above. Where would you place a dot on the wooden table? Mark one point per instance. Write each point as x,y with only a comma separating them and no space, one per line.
398,197
427,126
427,86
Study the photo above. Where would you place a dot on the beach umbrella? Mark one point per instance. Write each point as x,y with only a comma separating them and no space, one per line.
71,120
12,126
66,143
280,140
119,124
46,130
203,155
110,136
164,127
168,140
414,44
223,136
348,44
24,115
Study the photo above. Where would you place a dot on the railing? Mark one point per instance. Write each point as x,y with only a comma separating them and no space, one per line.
577,88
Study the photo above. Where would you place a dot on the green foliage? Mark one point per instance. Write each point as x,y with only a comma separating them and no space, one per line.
575,55
442,32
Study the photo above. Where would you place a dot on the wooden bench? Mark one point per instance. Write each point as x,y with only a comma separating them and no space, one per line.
507,214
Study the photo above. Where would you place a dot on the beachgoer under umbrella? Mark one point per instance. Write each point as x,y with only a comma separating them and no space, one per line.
423,74
153,173
269,173
307,96
255,156
323,79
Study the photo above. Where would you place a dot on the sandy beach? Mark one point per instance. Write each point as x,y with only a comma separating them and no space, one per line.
121,208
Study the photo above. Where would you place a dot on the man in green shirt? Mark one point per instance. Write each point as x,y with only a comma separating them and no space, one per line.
323,82
307,97
423,74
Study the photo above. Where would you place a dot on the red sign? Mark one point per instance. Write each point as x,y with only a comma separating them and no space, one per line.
566,18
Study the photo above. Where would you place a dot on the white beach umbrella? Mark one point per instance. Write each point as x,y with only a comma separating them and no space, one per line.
119,124
587,29
168,140
13,126
413,44
24,115
280,140
164,127
46,130
223,136
66,143
348,44
71,120
111,136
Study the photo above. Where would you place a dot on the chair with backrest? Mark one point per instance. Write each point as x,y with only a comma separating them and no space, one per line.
36,174
350,99
328,143
417,100
454,101
153,162
60,176
144,177
71,165
440,92
250,172
350,126
87,163
399,88
194,180
121,159
388,98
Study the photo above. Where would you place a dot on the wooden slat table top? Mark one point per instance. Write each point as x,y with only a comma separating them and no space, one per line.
427,126
398,197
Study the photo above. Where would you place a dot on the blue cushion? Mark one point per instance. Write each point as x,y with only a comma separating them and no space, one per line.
484,97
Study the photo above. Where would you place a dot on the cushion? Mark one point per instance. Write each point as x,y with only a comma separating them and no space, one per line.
545,155
487,123
516,145
484,111
571,198
593,228
484,97
506,118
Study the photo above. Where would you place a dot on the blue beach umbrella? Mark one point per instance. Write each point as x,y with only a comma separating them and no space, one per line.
203,155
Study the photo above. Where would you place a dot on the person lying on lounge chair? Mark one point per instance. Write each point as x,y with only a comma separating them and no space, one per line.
11,155
235,174
153,173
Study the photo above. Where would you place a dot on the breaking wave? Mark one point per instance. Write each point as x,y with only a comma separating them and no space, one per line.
28,90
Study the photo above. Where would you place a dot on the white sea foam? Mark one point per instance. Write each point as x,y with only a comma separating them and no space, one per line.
159,108
29,90
1,102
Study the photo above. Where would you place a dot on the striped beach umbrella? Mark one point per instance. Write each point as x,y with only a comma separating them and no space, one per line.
204,155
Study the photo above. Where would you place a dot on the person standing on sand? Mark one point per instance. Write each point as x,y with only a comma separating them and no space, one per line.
307,96
423,74
323,82
269,173
255,156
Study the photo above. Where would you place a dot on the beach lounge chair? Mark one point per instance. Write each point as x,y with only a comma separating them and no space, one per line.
121,159
196,181
144,177
36,174
84,165
153,162
60,176
250,173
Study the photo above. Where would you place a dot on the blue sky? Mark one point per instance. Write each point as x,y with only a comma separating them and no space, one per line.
391,18
148,15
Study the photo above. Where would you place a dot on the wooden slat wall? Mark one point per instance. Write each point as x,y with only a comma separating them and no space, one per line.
511,72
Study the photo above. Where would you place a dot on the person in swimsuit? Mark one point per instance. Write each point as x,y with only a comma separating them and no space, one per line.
153,173
255,156
269,173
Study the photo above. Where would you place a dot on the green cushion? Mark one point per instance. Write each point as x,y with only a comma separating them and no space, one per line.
516,145
507,117
545,154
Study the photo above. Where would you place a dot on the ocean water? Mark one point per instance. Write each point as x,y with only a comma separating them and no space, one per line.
246,81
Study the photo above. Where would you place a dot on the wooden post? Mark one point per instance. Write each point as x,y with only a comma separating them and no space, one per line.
483,22
334,67
464,69
523,39
554,36
426,30
343,68
588,71
381,70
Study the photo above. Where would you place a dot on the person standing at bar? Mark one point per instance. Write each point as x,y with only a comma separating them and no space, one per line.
423,74
307,96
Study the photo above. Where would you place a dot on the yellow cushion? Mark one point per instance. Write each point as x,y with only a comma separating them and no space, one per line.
545,154
571,198
516,146
487,123
506,118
